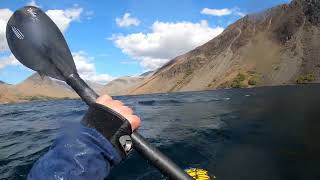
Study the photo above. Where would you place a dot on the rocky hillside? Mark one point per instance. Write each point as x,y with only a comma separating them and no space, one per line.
278,46
120,86
6,93
36,87
43,86
123,85
96,86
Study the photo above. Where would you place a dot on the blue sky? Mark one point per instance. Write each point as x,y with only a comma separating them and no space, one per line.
115,38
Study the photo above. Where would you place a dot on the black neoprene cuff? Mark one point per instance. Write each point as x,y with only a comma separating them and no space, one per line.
111,125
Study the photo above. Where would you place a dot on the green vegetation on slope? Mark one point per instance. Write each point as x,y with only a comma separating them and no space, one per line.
303,79
39,98
238,82
242,80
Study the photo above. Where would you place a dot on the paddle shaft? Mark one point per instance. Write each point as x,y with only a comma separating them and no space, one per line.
37,42
157,159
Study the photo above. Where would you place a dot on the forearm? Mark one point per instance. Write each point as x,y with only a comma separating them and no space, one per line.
81,153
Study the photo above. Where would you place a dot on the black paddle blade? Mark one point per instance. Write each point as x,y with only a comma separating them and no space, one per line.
36,41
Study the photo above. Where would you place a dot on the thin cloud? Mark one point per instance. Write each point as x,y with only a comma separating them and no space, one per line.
33,3
8,61
103,55
128,62
126,20
89,14
223,12
216,12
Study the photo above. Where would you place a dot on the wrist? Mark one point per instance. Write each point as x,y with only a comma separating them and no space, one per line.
111,125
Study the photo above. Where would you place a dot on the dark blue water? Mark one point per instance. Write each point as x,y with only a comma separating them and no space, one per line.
264,133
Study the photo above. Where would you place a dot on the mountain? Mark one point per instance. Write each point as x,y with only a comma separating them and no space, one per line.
95,86
3,84
276,47
123,85
148,73
6,93
35,85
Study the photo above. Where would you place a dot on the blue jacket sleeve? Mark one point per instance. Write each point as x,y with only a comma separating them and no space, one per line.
81,153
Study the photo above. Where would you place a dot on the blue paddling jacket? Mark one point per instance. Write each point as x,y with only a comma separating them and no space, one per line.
81,154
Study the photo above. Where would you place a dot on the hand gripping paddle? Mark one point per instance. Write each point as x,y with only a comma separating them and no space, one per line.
36,42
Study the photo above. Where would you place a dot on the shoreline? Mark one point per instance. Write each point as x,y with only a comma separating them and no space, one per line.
26,99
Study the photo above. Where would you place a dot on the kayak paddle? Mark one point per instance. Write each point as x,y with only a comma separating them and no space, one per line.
37,43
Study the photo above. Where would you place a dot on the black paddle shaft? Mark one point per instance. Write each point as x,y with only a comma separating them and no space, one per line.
37,42
159,160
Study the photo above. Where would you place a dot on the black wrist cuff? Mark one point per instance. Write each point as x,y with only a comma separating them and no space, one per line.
111,125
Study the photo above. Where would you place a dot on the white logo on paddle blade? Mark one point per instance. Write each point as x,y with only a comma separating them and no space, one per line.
17,32
33,14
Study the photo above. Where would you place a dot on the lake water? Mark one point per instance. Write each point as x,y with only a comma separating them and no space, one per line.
264,133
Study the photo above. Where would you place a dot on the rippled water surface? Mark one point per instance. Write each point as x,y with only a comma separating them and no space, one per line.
264,133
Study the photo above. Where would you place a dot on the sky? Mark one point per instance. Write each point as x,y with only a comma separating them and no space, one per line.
114,38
